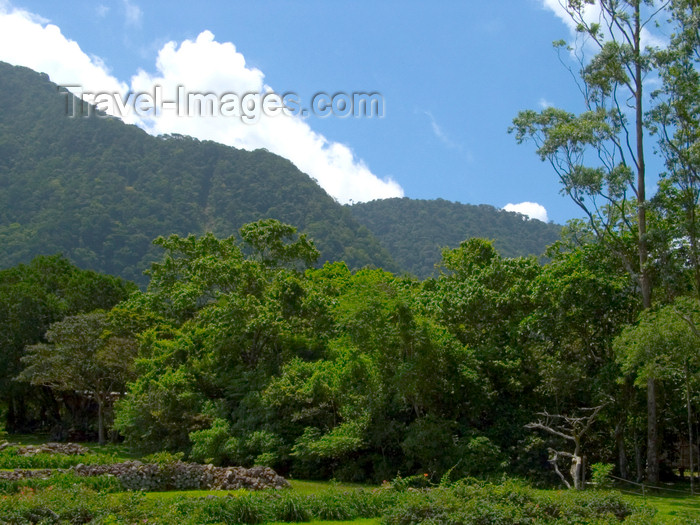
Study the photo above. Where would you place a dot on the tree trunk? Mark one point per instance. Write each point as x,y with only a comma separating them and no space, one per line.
638,458
652,434
690,429
621,455
644,280
577,467
100,420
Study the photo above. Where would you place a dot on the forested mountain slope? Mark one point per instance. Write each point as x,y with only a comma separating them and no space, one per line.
414,231
99,191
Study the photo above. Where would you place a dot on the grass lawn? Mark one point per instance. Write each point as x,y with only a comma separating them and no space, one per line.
671,504
119,451
27,439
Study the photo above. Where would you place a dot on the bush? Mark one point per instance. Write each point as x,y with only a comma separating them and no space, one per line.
214,445
415,482
164,457
292,507
512,502
464,503
600,475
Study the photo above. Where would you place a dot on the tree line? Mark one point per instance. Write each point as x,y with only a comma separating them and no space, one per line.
240,352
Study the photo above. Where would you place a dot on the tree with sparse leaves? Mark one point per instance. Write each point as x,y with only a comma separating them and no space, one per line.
599,155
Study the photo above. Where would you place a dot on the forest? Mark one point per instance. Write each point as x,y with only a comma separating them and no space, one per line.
248,350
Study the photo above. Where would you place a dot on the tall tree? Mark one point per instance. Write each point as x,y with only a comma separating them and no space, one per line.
676,122
599,155
82,357
664,344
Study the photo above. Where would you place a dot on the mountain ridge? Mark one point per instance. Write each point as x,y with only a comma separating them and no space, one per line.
416,244
99,191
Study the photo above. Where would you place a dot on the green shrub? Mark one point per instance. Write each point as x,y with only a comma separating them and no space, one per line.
77,504
420,508
242,509
480,457
261,448
512,502
70,500
415,482
164,457
600,475
214,445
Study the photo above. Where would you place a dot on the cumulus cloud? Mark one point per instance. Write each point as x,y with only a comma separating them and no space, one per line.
200,65
29,40
530,209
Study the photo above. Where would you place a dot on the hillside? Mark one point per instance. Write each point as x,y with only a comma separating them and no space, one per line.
99,191
414,231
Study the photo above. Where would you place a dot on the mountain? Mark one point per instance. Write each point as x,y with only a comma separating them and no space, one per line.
415,231
99,191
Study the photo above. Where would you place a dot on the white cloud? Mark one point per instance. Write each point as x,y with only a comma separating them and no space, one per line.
531,209
132,14
29,40
446,139
203,65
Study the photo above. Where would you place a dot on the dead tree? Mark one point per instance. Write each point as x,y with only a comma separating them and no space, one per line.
570,429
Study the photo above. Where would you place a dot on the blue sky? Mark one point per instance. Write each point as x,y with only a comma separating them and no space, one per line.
452,74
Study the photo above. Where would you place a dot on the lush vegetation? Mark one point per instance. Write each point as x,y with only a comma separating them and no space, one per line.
65,501
244,350
100,191
32,297
414,231
71,497
241,353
